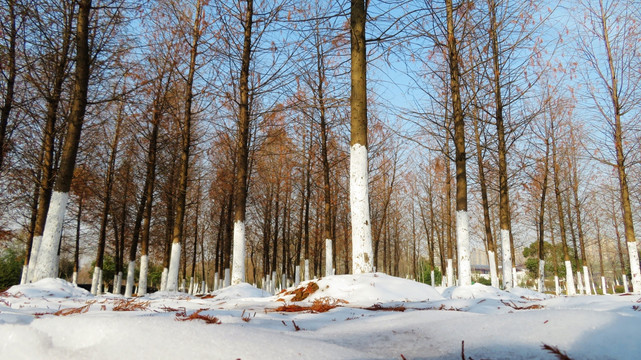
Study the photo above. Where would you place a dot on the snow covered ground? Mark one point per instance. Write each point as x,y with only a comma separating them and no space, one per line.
370,316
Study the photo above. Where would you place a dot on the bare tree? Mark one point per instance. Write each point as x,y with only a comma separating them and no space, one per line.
362,255
47,263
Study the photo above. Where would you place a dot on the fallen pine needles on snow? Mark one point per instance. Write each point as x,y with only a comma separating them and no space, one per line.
196,315
296,327
555,350
318,306
70,311
379,307
301,293
247,318
130,305
516,307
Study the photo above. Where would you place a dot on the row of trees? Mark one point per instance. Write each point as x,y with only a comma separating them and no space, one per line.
214,136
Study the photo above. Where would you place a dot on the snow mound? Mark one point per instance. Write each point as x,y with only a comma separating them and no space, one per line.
368,289
174,295
477,291
240,291
48,288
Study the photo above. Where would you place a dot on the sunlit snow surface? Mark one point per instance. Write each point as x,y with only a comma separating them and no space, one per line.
493,324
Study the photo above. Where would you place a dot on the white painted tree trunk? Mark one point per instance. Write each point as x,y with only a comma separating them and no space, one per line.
635,269
625,283
203,287
129,286
362,254
506,259
227,277
515,281
25,274
182,285
541,275
99,290
74,278
297,276
47,265
557,288
174,265
274,281
328,257
119,282
33,259
238,256
570,289
143,276
450,273
283,282
586,280
494,276
95,280
191,286
463,243
307,274
216,279
432,277
163,279
579,283
115,284
604,289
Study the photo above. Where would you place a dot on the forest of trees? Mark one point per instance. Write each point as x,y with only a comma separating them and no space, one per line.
261,140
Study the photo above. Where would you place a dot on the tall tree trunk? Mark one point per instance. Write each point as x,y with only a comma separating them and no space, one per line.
48,142
177,236
274,264
193,257
598,241
489,239
32,225
617,233
150,178
541,218
327,195
170,216
10,81
267,228
242,148
284,265
504,202
462,231
308,195
626,208
76,253
362,255
109,180
569,276
47,263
